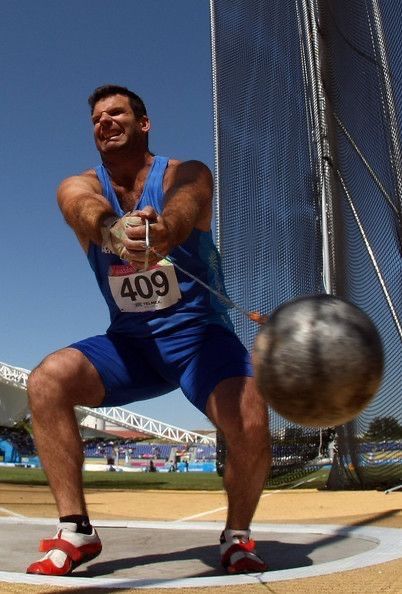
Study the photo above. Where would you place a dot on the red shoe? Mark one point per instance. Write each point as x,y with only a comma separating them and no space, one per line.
66,551
238,553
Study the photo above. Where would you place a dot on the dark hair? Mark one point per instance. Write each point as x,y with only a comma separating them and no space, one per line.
137,104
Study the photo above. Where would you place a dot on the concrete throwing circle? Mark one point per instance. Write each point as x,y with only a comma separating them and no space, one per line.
185,554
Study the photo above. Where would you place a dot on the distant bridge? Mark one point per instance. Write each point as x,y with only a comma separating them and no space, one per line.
14,407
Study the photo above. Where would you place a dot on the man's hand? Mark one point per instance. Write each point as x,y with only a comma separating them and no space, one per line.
114,235
126,237
161,240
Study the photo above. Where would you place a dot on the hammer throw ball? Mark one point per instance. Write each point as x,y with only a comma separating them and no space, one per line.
318,361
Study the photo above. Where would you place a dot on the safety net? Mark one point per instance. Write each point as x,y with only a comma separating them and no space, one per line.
307,100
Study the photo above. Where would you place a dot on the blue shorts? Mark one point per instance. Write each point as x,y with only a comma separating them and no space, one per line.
195,360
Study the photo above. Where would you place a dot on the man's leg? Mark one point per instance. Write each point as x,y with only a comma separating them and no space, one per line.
237,409
62,381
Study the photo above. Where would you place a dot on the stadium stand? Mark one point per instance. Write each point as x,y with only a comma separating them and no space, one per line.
15,444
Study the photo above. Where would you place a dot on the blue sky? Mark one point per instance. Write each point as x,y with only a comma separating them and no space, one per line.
52,55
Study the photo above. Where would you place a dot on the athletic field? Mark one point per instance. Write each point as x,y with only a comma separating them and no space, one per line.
185,497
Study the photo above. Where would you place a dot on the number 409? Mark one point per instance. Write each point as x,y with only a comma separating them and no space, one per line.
145,286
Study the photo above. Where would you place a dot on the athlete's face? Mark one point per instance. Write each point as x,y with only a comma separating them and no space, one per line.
115,125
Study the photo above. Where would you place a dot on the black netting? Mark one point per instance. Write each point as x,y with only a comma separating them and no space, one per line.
269,229
270,162
362,80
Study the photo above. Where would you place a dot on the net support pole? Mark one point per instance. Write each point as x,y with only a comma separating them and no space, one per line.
321,132
217,202
389,105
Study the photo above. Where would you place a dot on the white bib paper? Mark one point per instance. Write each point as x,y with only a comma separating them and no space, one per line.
147,290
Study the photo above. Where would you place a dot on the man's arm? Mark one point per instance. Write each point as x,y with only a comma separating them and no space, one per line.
188,205
83,207
188,200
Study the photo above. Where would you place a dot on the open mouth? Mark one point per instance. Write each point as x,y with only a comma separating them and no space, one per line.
108,138
110,135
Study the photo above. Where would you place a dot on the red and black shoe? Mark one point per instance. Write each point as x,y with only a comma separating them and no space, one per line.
238,553
66,551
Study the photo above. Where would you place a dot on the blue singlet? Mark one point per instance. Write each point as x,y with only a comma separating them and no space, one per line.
198,255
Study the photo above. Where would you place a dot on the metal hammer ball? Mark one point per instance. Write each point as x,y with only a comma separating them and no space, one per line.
318,361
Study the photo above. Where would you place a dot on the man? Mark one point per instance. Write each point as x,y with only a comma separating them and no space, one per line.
166,329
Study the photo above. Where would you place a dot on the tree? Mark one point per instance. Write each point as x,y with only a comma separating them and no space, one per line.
384,428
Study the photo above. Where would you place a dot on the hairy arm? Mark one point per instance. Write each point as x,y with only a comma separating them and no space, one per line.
188,205
188,200
83,207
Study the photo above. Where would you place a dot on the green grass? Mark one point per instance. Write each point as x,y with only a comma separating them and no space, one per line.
186,481
181,481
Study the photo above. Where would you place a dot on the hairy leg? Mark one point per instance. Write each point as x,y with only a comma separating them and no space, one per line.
237,409
63,380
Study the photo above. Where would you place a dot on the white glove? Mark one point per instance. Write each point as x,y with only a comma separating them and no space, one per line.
114,232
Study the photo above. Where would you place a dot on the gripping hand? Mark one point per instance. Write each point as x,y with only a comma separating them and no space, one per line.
114,234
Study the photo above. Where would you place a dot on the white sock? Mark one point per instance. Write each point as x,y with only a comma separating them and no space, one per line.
235,536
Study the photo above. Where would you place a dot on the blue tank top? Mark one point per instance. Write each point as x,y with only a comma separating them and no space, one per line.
198,254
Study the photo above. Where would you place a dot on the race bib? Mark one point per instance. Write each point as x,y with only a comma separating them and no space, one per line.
148,290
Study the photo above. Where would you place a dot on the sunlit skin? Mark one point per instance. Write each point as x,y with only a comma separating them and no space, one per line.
117,129
122,140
